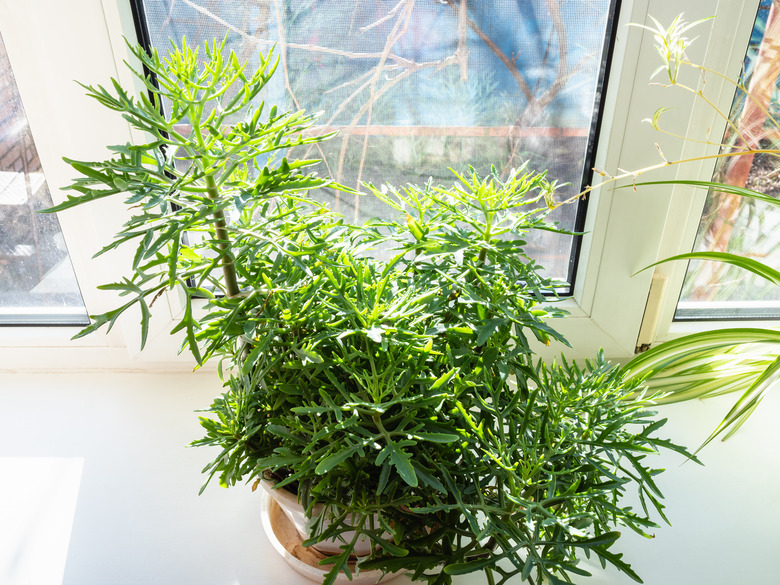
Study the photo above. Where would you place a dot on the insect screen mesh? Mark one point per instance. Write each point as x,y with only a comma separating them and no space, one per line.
415,87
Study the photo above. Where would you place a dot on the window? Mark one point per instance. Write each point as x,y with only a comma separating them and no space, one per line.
731,223
625,230
416,87
37,284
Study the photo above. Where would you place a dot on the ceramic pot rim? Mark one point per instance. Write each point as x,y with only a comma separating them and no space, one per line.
282,493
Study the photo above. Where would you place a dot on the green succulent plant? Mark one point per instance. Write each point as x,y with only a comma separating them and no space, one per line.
398,390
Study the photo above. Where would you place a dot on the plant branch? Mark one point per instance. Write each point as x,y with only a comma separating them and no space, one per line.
305,47
666,163
508,63
223,241
399,30
463,51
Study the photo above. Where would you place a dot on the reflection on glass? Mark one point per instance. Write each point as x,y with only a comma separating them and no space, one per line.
416,87
37,284
742,225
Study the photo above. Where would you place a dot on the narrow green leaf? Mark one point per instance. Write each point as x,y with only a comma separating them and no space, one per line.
85,169
712,186
437,437
470,566
145,316
487,329
669,352
749,264
71,201
401,462
604,539
427,478
748,401
308,355
390,547
334,459
442,380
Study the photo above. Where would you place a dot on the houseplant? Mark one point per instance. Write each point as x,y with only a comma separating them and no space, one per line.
742,360
746,359
397,392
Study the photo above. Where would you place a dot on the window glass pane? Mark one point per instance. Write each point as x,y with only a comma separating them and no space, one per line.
417,87
37,284
731,223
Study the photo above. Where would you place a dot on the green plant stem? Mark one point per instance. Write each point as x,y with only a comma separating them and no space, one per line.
489,574
701,95
665,163
228,268
740,87
378,422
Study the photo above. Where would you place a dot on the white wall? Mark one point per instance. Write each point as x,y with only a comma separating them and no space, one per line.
724,514
97,487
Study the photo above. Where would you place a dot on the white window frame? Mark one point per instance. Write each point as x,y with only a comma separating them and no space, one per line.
627,231
52,43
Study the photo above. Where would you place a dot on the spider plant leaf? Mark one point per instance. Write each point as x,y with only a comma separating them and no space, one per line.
748,401
749,264
740,421
713,186
677,350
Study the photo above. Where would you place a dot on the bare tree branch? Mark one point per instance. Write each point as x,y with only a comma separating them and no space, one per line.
399,29
283,54
508,63
560,29
537,99
311,48
463,50
384,19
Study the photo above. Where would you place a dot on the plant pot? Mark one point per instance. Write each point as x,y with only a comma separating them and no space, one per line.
288,542
288,502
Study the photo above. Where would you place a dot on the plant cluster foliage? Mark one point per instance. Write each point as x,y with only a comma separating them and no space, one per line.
710,363
401,394
743,360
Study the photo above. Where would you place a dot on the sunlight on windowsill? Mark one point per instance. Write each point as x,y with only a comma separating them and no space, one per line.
38,496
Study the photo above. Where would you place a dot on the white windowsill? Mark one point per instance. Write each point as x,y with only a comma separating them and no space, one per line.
107,492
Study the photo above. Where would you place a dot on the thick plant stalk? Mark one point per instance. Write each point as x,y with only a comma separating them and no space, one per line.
228,268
